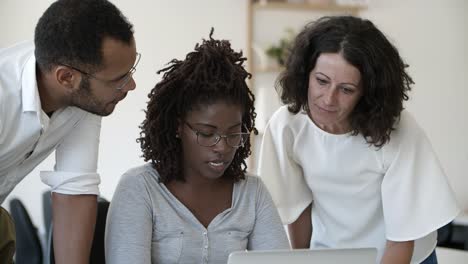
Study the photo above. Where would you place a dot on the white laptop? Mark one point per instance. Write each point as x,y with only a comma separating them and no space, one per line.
305,256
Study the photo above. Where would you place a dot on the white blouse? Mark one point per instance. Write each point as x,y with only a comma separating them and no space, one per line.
362,195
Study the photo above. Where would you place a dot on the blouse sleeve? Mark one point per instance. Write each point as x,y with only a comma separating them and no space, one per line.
278,169
416,196
268,232
129,223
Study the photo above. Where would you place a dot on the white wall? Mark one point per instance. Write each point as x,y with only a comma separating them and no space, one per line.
432,36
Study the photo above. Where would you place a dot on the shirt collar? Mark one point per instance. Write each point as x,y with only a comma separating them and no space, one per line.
30,93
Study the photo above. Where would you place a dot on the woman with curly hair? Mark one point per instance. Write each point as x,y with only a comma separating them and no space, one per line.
345,165
193,202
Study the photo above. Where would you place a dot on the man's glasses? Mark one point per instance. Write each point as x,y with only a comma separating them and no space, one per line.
234,140
122,82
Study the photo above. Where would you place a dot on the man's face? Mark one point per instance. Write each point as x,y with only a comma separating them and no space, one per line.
99,93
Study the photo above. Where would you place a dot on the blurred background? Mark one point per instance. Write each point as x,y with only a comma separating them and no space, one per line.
431,35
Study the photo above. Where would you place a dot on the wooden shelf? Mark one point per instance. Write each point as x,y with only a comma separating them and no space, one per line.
269,69
306,7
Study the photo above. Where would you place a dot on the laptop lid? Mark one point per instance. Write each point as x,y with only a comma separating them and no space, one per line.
303,256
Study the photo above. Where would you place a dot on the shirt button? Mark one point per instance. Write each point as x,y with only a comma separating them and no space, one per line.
206,247
204,233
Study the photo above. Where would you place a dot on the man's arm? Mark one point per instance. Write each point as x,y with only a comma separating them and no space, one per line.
398,252
300,231
74,218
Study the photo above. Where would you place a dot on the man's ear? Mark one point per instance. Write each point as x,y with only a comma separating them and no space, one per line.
67,77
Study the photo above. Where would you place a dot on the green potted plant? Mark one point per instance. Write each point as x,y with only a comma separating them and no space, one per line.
280,51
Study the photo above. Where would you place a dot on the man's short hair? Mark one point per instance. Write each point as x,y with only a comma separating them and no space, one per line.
71,32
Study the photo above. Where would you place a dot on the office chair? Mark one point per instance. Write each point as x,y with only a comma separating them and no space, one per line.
444,235
47,210
28,245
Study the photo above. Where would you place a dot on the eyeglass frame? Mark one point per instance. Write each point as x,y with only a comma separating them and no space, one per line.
125,79
219,137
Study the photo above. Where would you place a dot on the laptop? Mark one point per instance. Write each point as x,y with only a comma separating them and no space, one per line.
303,256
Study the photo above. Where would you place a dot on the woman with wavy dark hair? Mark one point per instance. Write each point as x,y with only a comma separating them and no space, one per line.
342,158
193,202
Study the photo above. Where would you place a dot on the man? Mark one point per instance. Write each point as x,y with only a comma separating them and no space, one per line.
52,95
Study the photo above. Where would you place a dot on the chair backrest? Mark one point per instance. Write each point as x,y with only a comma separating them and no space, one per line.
97,250
97,255
47,210
444,235
28,245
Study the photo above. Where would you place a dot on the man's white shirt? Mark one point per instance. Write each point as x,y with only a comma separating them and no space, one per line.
28,135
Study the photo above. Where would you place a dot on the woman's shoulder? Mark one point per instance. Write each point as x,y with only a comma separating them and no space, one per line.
405,129
251,183
407,136
141,170
407,123
139,175
251,178
283,115
284,119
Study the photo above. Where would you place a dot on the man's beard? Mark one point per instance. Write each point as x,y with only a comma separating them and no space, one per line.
85,100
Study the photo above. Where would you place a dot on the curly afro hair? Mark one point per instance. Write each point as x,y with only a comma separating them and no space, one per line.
212,72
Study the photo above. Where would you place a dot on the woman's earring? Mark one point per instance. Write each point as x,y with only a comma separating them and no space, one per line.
177,135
